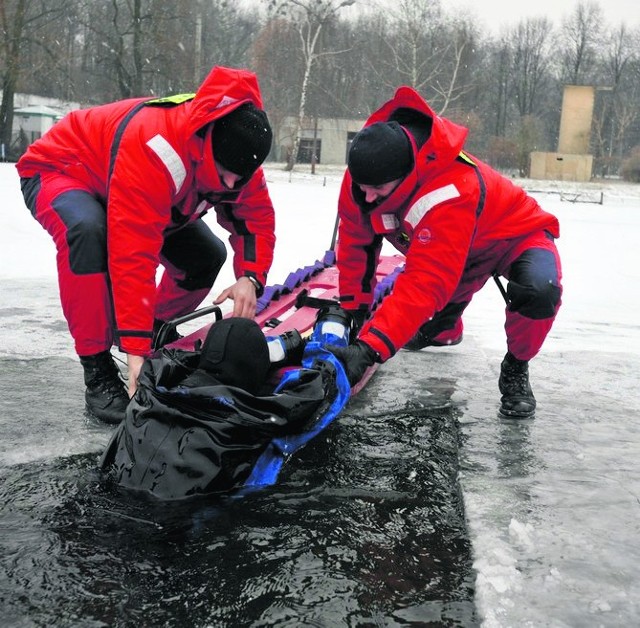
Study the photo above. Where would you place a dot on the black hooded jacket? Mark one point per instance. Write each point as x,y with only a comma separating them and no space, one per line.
177,442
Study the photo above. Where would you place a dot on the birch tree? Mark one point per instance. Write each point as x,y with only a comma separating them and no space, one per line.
309,17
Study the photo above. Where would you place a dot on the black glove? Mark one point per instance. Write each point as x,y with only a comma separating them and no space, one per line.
359,318
356,359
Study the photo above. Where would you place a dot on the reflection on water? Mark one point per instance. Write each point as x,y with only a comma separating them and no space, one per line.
364,528
515,454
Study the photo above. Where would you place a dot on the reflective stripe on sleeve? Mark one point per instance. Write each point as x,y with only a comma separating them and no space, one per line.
170,158
430,200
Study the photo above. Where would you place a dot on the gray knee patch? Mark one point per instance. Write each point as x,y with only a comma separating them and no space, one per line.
86,223
535,302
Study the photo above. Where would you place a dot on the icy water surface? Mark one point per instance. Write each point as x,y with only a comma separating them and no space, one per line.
365,527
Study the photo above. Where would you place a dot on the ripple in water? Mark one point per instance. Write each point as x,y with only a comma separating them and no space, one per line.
365,527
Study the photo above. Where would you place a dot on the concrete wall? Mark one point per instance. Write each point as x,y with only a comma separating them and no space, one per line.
561,167
35,121
576,119
333,133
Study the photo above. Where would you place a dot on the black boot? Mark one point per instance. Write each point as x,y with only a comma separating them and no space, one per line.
517,400
106,394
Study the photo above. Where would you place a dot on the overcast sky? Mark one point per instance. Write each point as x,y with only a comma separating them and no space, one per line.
495,13
509,12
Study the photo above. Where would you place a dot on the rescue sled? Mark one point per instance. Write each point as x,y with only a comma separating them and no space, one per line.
176,443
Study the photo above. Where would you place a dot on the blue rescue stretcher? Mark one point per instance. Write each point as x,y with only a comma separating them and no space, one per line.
177,444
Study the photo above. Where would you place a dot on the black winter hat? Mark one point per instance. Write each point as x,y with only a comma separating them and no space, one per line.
242,139
235,353
380,153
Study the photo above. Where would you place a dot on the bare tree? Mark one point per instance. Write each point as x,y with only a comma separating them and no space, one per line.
450,85
530,43
617,106
581,37
13,25
119,32
416,44
329,58
501,81
274,59
620,47
415,49
21,22
336,89
228,33
527,140
309,18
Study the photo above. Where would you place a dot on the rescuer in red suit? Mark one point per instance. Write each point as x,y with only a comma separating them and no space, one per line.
459,222
122,189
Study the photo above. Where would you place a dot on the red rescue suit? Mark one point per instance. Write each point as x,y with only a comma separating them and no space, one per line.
458,222
148,165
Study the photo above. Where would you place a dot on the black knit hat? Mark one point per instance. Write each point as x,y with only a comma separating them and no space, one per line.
235,353
242,139
380,153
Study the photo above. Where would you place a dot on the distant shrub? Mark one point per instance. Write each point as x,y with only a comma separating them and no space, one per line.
502,153
606,165
630,169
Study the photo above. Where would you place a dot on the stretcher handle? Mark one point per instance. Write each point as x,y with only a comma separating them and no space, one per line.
168,330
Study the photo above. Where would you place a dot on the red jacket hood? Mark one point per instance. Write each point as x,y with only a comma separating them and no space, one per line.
221,92
445,141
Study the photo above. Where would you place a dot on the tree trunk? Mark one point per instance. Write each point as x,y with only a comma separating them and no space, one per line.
137,87
314,147
11,47
303,100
